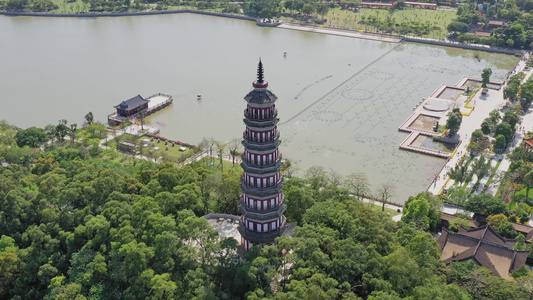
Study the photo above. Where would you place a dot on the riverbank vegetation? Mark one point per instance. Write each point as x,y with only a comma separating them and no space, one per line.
501,24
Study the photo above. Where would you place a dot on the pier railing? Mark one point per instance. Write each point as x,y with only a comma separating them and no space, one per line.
163,104
145,112
159,94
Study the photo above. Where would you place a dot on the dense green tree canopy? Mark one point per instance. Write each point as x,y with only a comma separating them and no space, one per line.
32,137
81,226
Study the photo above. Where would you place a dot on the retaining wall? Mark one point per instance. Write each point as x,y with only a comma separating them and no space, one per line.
461,45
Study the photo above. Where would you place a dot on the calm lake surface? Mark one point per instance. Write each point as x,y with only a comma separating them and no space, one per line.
340,102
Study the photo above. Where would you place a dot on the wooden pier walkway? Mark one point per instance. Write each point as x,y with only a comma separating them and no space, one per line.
160,101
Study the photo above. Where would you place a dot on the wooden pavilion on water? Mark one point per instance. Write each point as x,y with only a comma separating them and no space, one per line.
130,110
131,106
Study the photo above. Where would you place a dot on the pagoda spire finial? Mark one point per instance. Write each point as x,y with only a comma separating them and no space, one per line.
260,72
260,82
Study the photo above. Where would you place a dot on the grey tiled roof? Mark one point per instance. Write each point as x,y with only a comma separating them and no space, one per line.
485,246
132,103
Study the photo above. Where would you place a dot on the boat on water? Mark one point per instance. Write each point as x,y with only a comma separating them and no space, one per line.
265,22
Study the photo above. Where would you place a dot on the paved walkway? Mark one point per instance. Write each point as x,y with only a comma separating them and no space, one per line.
340,32
483,104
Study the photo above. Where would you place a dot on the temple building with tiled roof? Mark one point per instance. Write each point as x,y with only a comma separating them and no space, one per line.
131,106
484,246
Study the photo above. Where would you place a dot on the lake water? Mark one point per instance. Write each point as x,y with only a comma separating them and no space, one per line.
340,103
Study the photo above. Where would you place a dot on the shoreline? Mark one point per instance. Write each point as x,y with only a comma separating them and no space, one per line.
341,32
125,14
375,36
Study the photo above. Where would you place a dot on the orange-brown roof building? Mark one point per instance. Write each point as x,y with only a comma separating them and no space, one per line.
528,144
484,246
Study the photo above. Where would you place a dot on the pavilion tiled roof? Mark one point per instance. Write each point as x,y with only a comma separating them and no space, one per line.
420,3
132,103
377,3
483,34
496,23
485,246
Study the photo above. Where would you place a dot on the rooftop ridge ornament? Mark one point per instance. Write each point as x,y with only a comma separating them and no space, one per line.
260,82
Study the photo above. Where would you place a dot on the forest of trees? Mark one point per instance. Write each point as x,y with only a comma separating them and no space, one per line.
76,223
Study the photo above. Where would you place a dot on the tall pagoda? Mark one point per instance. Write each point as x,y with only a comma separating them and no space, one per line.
262,202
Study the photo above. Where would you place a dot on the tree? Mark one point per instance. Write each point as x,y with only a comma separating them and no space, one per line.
15,5
521,213
261,8
506,130
72,132
141,118
10,264
457,26
220,152
61,130
351,3
322,9
500,143
481,167
479,141
453,123
316,175
526,93
460,173
485,75
486,127
512,118
457,195
89,118
233,147
459,222
298,200
334,177
384,192
357,184
485,204
162,287
510,91
33,137
288,168
423,210
501,224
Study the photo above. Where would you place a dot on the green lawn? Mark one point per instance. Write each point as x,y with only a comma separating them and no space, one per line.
155,149
434,18
215,162
375,207
71,8
521,194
